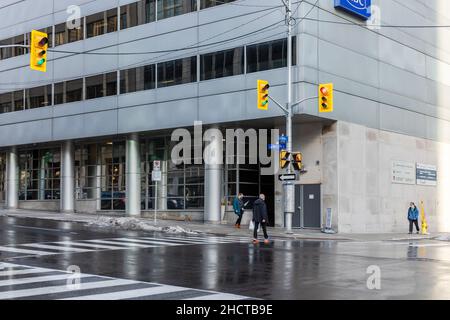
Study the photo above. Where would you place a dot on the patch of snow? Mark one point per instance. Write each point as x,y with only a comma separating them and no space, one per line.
135,224
443,238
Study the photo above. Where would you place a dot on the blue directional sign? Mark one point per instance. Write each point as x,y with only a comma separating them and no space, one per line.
360,8
283,140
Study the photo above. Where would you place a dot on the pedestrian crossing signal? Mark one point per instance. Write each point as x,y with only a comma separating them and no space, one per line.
326,98
263,94
38,51
284,159
297,159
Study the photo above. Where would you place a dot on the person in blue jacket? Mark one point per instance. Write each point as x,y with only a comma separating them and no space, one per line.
413,217
238,207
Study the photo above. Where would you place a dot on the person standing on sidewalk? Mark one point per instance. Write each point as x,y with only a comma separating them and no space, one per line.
260,217
238,207
413,217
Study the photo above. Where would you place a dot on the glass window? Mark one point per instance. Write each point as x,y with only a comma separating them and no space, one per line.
101,85
87,175
177,72
211,3
9,52
6,53
101,23
269,55
74,90
137,13
18,100
68,91
2,176
137,79
222,64
39,176
38,97
112,176
6,102
64,35
171,8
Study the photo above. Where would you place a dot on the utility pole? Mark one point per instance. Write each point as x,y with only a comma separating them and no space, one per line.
289,187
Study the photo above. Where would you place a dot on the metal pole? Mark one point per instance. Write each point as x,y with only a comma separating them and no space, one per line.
156,198
289,186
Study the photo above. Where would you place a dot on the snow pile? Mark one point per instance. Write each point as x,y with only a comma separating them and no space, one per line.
136,224
443,238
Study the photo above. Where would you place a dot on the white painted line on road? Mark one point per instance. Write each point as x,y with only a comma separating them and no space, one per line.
122,243
218,296
94,245
149,241
12,282
25,271
32,252
129,294
55,247
64,288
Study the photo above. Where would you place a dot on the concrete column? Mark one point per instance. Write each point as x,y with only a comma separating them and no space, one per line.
12,183
162,187
42,179
213,177
67,177
133,176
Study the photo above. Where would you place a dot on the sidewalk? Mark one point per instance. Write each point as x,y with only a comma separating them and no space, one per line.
218,229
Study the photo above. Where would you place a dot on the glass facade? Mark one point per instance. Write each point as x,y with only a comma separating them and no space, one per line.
212,3
100,177
65,35
137,13
39,174
101,23
171,8
2,177
38,97
176,72
269,55
222,64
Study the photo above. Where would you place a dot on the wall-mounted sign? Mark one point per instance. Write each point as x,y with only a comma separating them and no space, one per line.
360,8
426,174
403,172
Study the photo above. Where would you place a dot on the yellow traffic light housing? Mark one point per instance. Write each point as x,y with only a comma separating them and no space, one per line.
38,51
284,159
297,161
326,97
263,94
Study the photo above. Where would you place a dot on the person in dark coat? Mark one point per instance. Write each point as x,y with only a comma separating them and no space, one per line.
260,217
413,217
238,207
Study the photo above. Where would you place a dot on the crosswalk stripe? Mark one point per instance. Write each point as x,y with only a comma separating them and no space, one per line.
122,243
181,240
26,271
129,293
149,241
64,288
93,245
11,282
218,296
193,241
18,250
55,247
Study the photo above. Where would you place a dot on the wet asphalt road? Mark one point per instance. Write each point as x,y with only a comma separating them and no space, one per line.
114,264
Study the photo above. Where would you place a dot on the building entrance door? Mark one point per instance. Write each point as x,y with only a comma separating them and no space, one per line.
307,206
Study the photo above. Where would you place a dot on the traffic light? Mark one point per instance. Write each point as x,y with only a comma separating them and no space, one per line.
326,97
263,94
297,159
284,159
38,51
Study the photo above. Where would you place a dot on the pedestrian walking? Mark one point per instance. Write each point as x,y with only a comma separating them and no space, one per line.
260,217
413,217
238,207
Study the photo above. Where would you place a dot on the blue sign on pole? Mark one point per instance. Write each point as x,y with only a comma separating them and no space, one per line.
283,140
361,8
